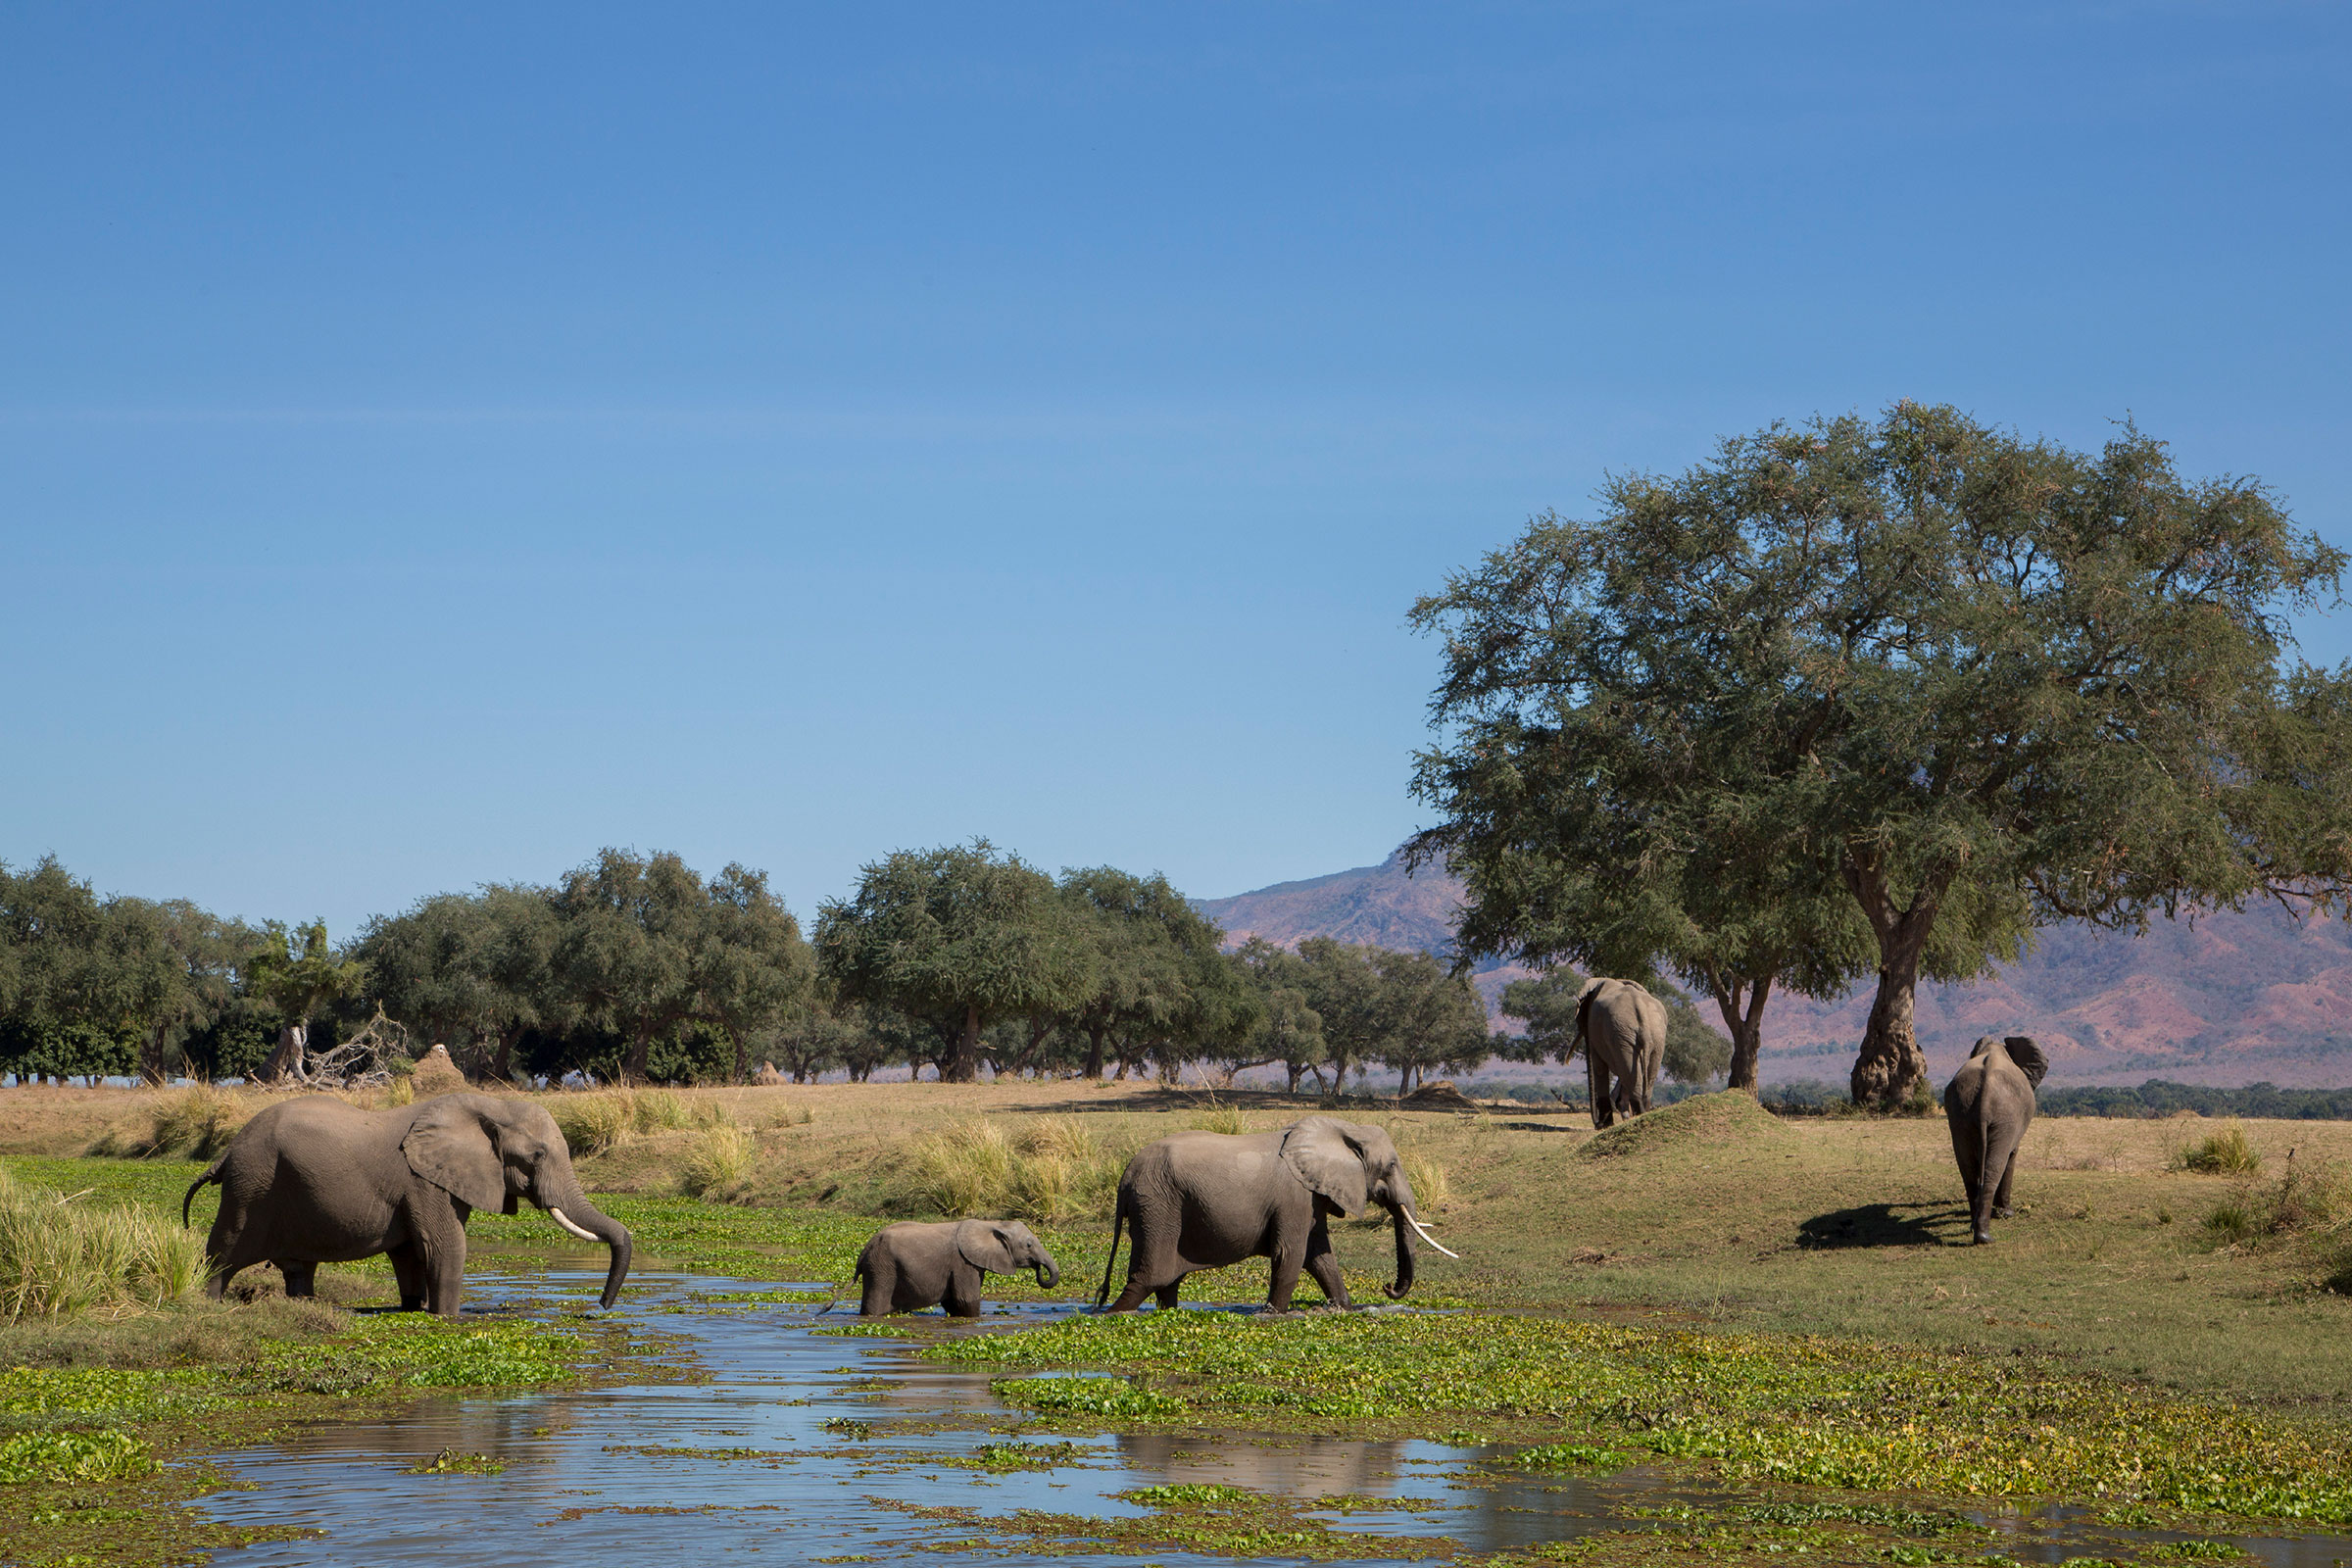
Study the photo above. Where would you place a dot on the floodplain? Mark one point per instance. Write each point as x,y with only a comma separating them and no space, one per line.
1707,1334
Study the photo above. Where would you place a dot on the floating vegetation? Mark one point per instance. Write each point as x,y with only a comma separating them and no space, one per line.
1217,1521
1004,1457
1853,1414
106,1455
458,1462
1566,1457
842,1426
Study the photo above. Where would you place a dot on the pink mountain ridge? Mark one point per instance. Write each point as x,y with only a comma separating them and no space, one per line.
2224,999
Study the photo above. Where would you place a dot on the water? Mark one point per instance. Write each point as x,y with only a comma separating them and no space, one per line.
614,1469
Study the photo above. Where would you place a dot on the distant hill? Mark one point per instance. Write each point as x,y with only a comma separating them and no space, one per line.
2224,998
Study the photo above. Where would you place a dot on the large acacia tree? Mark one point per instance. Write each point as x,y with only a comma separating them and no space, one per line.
1913,672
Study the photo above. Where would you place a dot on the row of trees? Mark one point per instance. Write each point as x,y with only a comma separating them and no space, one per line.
1882,696
636,969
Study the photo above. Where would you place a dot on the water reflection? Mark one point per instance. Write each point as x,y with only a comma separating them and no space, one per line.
744,1467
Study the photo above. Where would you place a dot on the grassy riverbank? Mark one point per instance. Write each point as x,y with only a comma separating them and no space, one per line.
1701,1242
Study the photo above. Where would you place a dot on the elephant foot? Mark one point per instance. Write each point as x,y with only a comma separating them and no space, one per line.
2000,1213
1981,1237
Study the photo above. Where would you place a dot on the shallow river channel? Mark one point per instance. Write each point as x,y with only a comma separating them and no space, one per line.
744,1467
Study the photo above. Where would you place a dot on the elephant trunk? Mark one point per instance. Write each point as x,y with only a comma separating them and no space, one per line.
570,1208
1048,1276
1403,1214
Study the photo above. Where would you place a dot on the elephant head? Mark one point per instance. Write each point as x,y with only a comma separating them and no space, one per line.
2021,1050
1001,1246
491,1152
1352,1165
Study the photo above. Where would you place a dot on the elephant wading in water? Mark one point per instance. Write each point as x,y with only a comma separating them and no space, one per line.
1623,1030
909,1266
315,1181
1988,1105
1205,1199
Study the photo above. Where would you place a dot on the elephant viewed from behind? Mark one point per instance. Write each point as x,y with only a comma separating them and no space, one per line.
1988,1105
1201,1200
1622,1028
315,1180
911,1265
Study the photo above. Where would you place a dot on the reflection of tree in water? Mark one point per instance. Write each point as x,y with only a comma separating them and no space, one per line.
1298,1467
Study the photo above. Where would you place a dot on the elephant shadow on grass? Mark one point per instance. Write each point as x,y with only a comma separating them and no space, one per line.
1886,1225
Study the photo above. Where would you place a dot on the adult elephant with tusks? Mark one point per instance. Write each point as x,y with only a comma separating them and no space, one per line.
315,1181
1198,1200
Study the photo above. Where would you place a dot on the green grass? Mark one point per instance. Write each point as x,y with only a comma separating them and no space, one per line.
2222,1153
63,1253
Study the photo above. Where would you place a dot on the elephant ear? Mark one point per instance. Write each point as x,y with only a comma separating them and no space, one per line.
1328,1161
448,1145
2028,1056
983,1247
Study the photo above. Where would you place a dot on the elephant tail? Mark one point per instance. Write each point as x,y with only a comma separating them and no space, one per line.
856,1278
212,1174
1111,1263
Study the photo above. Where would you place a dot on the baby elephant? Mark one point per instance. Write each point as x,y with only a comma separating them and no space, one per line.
909,1266
1988,1103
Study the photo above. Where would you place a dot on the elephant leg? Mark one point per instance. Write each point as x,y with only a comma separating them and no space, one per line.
441,1237
881,1283
1324,1264
1133,1296
301,1278
1286,1278
963,1292
1598,1076
2008,1172
227,1250
1165,1296
408,1271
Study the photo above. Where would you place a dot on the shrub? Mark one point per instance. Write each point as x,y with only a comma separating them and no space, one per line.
2222,1153
1222,1119
592,1123
719,1164
59,1258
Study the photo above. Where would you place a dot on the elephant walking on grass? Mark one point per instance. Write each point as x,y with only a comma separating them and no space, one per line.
1198,1200
315,1181
909,1266
1988,1105
1623,1030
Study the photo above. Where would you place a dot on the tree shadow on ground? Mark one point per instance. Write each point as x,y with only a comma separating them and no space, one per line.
1886,1225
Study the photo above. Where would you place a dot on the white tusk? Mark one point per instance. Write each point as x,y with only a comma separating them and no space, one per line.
586,1236
1418,1225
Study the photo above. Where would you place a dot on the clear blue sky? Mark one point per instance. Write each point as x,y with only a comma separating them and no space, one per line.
436,442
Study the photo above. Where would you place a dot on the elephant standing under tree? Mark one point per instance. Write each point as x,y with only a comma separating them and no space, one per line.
909,1266
315,1181
1988,1105
1198,1200
1623,1030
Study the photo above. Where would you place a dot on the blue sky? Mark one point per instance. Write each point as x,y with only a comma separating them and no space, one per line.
436,444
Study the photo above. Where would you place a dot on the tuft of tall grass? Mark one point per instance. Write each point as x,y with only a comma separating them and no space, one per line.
1054,1170
1226,1120
1432,1192
592,1123
2223,1154
59,1258
658,1110
197,1122
965,1168
718,1163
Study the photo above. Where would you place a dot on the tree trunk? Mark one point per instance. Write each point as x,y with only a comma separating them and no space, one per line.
286,1064
151,1057
964,1067
502,1061
632,1068
1891,1064
1746,1026
1094,1054
1296,1071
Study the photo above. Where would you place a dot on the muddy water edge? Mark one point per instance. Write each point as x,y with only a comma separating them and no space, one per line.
808,1439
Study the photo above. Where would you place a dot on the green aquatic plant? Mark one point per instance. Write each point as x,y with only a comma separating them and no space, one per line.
1858,1416
106,1455
1566,1457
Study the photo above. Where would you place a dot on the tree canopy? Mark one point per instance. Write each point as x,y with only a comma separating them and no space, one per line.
1882,692
956,936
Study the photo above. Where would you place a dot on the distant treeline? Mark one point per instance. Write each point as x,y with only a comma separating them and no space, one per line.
961,960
